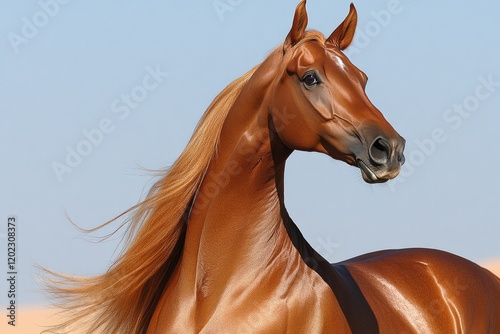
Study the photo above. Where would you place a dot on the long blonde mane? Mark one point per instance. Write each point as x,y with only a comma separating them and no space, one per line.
123,299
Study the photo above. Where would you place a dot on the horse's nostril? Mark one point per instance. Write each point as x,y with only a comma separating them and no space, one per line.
380,151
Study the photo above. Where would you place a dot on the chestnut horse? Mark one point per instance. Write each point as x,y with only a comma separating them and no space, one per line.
212,248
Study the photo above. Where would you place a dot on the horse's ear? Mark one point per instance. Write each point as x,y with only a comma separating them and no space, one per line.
343,35
298,27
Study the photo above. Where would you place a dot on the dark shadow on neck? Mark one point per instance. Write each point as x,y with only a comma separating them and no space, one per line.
356,309
354,305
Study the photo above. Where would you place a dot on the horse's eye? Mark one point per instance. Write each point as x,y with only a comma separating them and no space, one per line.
310,79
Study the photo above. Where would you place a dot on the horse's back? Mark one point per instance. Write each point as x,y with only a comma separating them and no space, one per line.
426,291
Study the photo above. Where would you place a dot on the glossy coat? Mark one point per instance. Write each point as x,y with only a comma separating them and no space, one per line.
245,267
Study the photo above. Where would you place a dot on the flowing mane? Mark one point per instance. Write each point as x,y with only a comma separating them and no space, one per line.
123,299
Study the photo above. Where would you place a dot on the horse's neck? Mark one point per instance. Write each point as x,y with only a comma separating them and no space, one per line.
238,206
236,221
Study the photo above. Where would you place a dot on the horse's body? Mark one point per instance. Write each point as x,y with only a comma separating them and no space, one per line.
232,261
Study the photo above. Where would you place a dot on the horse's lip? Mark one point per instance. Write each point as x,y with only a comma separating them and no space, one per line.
370,175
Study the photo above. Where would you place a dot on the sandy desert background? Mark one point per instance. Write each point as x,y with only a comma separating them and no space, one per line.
32,319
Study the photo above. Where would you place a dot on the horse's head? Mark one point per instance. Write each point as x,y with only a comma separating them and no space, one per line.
323,95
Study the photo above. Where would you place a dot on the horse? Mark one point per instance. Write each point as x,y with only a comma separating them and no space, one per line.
212,248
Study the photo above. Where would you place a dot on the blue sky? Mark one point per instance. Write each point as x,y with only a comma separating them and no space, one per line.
126,82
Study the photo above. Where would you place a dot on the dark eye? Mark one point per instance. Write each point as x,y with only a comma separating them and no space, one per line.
310,79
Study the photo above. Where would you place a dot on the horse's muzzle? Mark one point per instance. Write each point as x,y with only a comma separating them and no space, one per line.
385,158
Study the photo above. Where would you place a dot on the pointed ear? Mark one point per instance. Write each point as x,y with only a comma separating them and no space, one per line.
298,27
343,35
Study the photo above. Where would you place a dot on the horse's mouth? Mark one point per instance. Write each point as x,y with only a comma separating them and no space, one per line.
368,175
